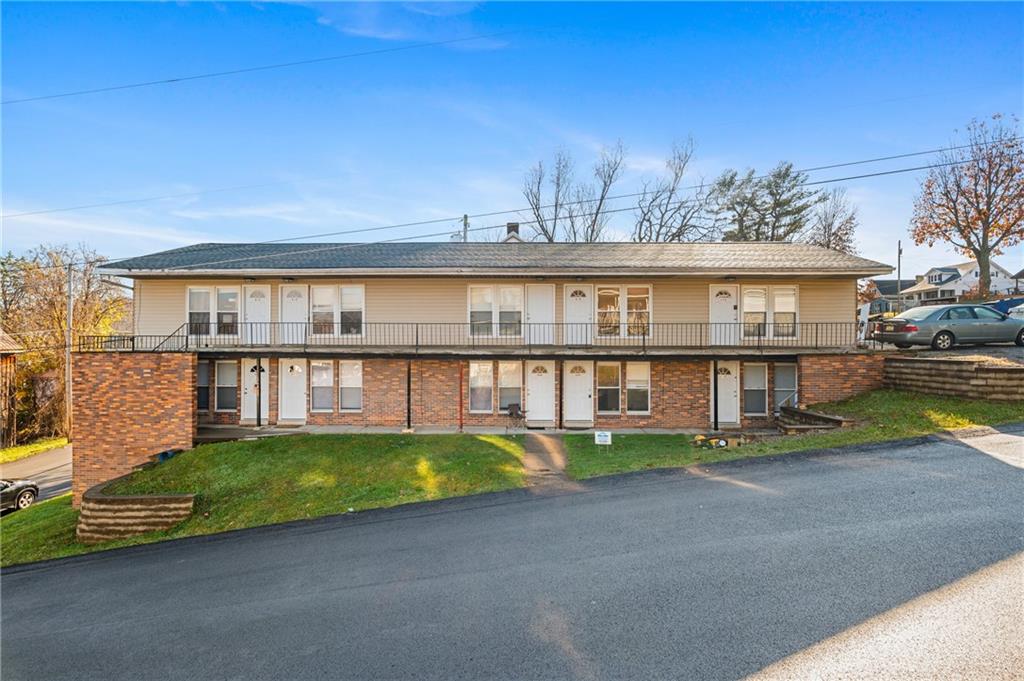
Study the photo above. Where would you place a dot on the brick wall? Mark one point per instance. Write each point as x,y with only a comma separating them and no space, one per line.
680,398
126,408
829,378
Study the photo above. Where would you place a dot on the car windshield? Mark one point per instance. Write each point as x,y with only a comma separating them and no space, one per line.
916,314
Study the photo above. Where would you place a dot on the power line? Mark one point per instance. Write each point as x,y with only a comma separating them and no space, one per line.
252,69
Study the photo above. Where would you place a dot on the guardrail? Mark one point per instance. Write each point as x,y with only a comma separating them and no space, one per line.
505,334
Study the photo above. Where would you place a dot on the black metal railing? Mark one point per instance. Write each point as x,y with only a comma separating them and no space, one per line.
424,335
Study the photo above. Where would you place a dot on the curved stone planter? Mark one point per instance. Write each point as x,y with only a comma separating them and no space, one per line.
105,517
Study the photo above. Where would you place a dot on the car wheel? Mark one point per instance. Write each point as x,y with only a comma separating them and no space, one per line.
902,346
1019,340
943,340
25,499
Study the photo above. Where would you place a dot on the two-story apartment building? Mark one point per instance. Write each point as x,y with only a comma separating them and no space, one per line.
606,335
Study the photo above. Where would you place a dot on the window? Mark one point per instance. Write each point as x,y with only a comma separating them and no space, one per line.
755,311
608,387
321,390
608,311
755,389
785,386
510,384
987,313
203,386
481,386
352,310
323,309
351,385
638,387
638,309
783,311
509,319
198,311
227,311
227,386
958,313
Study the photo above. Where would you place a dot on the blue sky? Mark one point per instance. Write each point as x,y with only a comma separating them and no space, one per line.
439,131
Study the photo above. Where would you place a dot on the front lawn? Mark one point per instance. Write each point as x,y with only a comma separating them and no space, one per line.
880,415
21,451
273,480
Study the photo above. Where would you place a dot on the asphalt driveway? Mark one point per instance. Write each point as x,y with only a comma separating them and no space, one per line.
715,573
51,470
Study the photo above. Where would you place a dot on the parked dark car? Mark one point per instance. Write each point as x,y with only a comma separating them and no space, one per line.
17,494
943,326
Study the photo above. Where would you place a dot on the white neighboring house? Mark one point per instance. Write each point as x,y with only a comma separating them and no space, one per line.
947,284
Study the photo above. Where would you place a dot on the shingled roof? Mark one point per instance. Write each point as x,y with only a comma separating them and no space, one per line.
507,258
8,345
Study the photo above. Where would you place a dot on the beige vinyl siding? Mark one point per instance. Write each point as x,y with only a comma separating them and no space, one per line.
160,304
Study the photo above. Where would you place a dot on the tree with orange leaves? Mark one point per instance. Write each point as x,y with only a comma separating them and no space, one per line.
973,197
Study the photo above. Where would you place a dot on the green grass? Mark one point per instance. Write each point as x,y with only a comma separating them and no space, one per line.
879,416
21,451
272,480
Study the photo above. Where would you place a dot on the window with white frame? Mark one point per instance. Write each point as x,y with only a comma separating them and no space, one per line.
755,389
199,310
321,385
481,386
638,310
203,386
784,311
226,398
351,380
227,311
608,383
785,386
496,310
610,318
510,384
322,306
352,308
638,387
755,311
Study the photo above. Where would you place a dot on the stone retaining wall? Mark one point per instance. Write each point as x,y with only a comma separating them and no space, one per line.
105,517
955,377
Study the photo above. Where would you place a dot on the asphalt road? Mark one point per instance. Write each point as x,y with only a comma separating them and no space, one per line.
51,470
717,573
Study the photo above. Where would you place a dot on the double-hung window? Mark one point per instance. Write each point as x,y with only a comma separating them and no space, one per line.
496,310
608,382
784,311
638,387
203,386
227,311
323,305
755,389
481,387
321,385
755,312
785,386
352,303
351,385
612,322
227,386
510,384
199,310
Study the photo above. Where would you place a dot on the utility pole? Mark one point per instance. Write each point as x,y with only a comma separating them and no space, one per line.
899,276
67,351
465,228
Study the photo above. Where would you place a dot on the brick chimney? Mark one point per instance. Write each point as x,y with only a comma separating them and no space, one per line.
512,232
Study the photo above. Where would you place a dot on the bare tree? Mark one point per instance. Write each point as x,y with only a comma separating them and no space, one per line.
573,211
834,223
973,197
664,214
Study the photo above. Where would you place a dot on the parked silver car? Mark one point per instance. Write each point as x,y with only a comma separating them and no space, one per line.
943,326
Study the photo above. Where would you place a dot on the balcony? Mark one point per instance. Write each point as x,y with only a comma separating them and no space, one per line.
457,338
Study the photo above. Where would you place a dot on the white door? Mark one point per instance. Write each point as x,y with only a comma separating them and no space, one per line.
292,382
294,314
540,314
728,393
249,390
540,392
579,314
256,315
578,392
724,315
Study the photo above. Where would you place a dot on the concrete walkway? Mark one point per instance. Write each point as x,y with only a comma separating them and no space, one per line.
545,462
51,470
